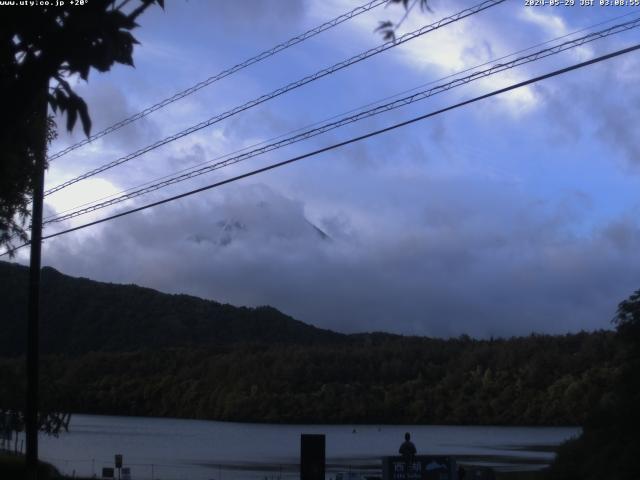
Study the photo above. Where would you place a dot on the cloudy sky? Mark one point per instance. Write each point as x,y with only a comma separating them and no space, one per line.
515,214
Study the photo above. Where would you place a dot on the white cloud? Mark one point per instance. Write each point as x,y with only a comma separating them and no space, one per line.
71,197
552,24
454,48
434,229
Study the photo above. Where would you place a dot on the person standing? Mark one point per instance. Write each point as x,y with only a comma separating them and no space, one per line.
408,451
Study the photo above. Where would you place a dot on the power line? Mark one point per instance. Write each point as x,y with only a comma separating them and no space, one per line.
282,90
422,95
344,143
333,117
225,73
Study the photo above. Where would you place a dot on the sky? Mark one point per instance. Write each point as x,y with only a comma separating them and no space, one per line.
513,215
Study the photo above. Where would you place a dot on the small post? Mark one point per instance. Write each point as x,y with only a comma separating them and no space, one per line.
118,464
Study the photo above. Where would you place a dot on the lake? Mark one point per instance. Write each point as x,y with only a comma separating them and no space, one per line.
166,449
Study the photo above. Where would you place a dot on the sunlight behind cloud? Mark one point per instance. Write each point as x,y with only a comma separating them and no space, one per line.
84,191
462,46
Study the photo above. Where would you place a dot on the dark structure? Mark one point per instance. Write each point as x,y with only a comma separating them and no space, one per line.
312,457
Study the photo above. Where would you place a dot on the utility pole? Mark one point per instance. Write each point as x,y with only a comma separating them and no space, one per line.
33,322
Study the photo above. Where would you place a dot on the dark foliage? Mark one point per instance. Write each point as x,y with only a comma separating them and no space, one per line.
129,350
609,446
536,380
388,29
40,49
12,467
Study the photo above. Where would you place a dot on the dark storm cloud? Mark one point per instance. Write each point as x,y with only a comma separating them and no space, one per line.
620,128
367,238
248,15
472,262
258,123
613,117
108,105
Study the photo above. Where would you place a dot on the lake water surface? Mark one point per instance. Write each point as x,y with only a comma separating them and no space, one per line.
161,448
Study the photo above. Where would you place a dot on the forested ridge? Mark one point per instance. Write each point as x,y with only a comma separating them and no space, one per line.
275,369
79,315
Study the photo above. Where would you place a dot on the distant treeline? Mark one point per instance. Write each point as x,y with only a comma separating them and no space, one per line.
123,349
535,380
127,350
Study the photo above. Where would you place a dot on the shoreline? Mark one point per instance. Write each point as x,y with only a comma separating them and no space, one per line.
328,424
12,468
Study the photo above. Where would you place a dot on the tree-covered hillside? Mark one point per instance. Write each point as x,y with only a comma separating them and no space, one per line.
118,349
81,315
537,380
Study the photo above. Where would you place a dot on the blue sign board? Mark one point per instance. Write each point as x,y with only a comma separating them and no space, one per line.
419,467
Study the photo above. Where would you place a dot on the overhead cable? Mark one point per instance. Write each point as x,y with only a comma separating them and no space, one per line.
333,117
282,90
422,95
225,73
344,143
